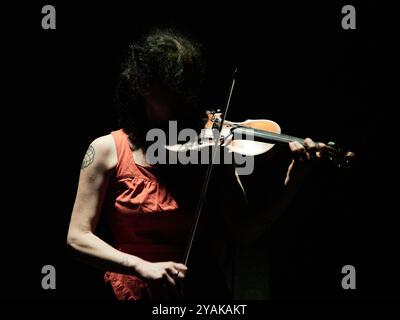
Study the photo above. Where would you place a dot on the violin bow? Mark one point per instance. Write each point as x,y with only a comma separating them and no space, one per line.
206,181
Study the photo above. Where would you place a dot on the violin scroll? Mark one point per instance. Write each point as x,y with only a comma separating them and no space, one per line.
342,159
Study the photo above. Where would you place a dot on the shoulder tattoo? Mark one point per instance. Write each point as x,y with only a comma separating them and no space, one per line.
89,158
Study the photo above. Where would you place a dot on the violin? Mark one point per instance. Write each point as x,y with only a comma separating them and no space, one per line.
254,137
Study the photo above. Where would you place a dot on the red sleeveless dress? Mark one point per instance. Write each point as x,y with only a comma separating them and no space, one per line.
144,220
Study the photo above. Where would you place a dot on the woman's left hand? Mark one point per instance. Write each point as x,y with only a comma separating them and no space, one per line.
310,151
302,155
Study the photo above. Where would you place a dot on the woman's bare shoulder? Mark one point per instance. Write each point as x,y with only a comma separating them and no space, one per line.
104,151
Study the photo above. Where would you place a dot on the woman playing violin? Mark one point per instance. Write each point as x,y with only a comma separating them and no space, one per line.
149,211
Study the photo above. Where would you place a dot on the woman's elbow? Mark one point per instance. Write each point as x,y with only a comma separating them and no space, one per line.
75,239
72,240
76,244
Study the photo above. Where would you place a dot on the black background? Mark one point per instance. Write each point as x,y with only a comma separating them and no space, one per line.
296,65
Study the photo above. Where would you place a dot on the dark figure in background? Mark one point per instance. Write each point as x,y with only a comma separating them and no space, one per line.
149,209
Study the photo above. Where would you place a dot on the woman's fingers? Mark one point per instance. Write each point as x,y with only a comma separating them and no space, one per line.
298,150
181,268
310,150
311,147
177,270
296,146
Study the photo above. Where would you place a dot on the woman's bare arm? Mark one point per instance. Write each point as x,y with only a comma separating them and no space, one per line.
99,162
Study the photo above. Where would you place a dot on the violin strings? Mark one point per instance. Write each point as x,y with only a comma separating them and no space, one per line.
272,136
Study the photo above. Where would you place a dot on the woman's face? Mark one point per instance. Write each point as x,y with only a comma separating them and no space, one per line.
161,106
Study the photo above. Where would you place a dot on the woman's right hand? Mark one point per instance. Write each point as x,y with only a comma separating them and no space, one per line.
161,272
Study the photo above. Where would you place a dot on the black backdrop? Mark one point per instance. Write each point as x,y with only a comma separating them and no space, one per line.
296,66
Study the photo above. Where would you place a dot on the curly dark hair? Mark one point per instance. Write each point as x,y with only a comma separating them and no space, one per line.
163,57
